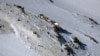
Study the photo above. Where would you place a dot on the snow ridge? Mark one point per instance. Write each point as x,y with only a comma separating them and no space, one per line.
56,29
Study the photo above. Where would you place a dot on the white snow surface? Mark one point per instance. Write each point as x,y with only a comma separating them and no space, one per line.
72,15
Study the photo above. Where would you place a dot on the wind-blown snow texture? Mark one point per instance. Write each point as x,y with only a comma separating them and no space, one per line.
36,34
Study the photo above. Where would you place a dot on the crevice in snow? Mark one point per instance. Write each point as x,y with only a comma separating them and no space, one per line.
92,38
86,20
21,8
51,1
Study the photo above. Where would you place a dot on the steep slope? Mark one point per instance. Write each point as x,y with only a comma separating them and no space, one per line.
77,19
25,34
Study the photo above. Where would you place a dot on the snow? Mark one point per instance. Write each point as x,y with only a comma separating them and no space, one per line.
11,45
72,16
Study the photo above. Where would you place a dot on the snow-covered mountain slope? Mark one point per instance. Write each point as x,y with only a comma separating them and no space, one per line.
25,34
77,34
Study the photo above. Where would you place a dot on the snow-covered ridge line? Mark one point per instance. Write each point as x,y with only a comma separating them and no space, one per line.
73,40
24,26
27,27
76,34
